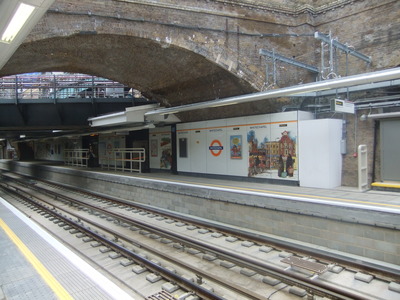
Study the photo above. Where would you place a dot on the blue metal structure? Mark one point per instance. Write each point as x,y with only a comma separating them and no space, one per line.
59,101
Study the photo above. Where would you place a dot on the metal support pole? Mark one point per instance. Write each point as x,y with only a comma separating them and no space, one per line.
347,73
288,60
93,95
331,69
327,39
322,60
55,89
16,89
274,61
115,160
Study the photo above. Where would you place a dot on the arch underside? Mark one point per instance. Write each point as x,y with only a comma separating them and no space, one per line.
171,75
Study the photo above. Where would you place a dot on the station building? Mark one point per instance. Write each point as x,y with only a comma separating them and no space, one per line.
281,116
281,94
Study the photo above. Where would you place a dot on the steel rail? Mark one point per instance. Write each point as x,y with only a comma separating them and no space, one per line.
319,288
301,249
316,253
116,247
169,275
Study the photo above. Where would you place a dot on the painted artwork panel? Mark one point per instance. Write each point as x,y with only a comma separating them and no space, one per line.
258,137
154,148
166,151
273,147
236,146
284,159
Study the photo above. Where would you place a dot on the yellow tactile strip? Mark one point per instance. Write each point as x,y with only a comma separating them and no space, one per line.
57,288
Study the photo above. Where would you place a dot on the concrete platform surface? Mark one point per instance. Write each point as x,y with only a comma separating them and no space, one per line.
34,265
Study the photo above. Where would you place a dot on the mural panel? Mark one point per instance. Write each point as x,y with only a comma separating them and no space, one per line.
273,149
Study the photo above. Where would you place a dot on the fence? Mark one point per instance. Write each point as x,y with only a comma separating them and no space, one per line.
64,86
125,159
76,157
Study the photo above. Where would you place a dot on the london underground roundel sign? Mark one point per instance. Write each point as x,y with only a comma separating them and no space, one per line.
216,147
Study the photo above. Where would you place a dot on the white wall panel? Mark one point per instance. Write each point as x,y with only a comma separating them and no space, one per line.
182,139
320,158
305,115
284,116
217,147
198,147
211,146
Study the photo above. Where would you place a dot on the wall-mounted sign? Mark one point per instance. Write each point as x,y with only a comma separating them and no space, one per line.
215,148
343,106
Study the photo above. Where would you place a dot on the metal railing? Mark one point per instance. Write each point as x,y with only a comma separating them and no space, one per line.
125,159
65,86
76,157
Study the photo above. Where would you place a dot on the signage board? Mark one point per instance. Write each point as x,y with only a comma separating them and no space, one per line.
342,106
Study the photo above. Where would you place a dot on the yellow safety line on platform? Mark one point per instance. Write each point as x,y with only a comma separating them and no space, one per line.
386,185
289,194
57,288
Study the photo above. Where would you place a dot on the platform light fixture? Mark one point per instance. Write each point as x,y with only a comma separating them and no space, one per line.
20,17
17,19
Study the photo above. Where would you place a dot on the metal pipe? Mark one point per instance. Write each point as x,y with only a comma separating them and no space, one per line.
275,73
381,116
353,80
322,60
357,88
330,52
377,104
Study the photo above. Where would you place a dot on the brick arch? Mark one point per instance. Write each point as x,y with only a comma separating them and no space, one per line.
171,75
157,48
161,70
173,65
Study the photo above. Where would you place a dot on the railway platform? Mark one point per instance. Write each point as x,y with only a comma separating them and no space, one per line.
34,265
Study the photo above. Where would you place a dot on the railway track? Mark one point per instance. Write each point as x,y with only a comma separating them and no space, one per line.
186,258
